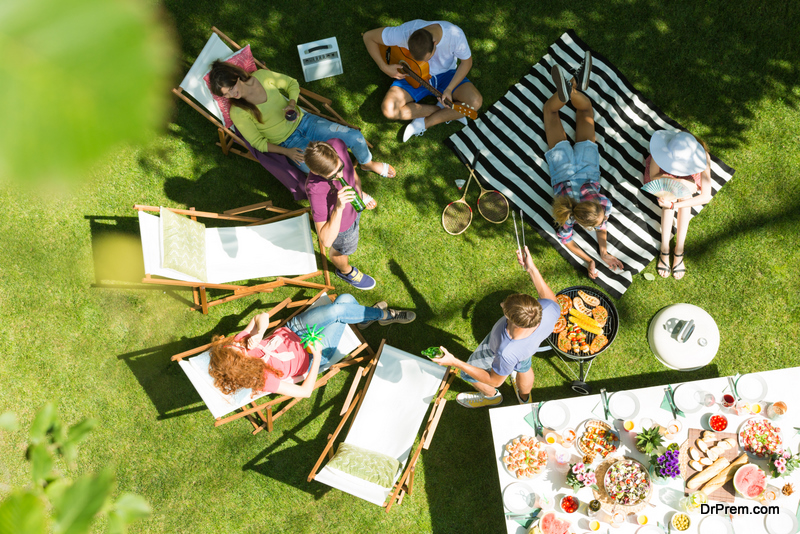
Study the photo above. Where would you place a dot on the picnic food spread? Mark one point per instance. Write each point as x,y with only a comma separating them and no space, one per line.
710,465
525,457
758,436
627,482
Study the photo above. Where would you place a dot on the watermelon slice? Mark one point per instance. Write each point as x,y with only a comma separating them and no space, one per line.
750,481
550,524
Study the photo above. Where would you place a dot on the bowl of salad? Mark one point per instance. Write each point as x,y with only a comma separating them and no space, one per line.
627,482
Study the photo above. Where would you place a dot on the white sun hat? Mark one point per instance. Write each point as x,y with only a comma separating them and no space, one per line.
677,153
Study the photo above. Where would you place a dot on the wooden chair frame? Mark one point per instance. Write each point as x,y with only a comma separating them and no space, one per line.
261,413
228,137
355,397
200,298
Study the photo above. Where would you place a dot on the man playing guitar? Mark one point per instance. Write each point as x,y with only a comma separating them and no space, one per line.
440,44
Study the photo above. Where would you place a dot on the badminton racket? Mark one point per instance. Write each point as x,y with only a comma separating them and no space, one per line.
457,216
492,204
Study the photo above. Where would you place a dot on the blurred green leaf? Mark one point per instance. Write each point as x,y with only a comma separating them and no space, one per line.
59,431
22,512
80,430
75,510
55,490
79,77
127,509
69,451
42,422
8,421
41,462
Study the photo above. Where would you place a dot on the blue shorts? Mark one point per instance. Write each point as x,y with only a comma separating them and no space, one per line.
577,164
346,242
483,357
440,82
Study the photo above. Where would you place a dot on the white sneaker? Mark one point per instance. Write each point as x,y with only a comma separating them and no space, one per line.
477,400
462,120
415,127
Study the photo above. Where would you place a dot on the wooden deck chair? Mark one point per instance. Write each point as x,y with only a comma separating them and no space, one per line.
219,47
280,247
386,413
352,350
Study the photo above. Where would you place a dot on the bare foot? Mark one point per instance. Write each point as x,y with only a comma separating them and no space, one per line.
379,168
662,267
678,268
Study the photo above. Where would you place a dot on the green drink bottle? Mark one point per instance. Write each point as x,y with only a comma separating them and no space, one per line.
357,203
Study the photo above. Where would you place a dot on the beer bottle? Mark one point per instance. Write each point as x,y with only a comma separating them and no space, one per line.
357,202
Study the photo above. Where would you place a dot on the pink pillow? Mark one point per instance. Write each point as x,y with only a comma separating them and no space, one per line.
244,59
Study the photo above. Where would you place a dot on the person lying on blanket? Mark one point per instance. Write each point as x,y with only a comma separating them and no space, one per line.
262,115
249,360
508,349
441,45
682,157
575,171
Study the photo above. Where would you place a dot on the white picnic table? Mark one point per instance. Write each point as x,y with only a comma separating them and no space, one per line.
783,384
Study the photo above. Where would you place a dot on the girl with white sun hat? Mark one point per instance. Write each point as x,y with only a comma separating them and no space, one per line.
681,157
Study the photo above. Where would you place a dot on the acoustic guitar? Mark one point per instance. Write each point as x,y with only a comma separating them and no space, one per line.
418,74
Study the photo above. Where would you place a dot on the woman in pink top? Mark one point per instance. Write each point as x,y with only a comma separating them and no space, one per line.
678,156
262,364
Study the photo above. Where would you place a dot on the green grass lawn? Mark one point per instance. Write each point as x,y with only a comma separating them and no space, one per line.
728,71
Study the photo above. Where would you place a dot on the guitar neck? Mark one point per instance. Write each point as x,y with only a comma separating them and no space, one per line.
407,70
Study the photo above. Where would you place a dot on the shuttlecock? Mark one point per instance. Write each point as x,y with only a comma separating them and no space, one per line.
460,183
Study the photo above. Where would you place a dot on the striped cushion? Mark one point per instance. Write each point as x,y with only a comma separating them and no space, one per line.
510,139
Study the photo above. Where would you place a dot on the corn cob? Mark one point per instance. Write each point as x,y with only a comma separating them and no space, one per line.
586,325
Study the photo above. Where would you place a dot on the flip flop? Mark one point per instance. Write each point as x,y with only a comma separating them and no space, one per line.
367,199
679,268
664,271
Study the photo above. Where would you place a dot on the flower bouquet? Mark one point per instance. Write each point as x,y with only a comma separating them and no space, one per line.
579,476
782,463
666,465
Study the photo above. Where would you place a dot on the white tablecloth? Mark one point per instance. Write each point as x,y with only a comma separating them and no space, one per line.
508,423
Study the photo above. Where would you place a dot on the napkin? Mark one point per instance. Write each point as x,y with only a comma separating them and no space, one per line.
665,405
733,383
526,523
529,419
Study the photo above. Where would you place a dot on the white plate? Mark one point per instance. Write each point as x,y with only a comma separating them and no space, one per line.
783,523
623,405
519,497
554,415
714,524
751,388
685,397
756,418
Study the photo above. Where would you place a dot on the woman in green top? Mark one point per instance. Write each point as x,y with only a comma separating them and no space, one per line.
261,114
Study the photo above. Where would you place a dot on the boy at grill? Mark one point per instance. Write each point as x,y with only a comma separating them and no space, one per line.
508,349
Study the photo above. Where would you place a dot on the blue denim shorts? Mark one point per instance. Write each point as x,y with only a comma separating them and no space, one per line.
579,163
483,357
440,82
346,242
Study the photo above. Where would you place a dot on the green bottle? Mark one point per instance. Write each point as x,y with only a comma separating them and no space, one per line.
357,203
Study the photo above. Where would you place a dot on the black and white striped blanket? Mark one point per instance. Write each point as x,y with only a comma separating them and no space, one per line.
509,137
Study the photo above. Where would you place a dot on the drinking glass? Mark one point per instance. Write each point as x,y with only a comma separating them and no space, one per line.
728,400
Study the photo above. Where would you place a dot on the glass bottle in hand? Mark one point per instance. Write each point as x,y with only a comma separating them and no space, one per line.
357,202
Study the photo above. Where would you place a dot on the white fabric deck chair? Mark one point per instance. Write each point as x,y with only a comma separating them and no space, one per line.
278,247
387,413
195,364
220,46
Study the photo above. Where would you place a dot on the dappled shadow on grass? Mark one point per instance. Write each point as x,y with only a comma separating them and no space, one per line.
705,65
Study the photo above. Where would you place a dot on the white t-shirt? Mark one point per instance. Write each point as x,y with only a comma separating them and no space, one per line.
453,44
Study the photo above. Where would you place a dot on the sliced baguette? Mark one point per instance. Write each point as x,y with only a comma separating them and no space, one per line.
698,466
698,479
701,445
726,474
694,453
712,454
706,461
